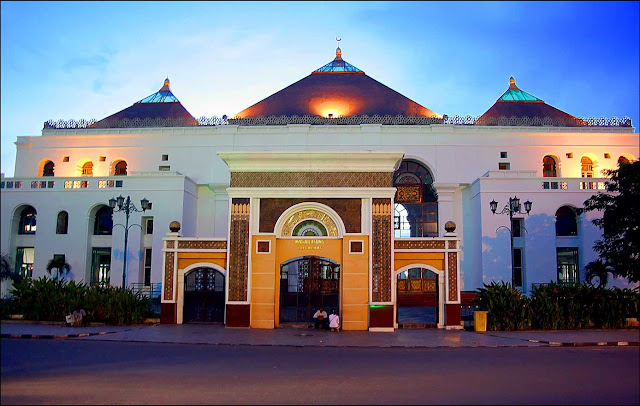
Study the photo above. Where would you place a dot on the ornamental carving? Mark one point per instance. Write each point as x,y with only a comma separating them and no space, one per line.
349,120
381,250
211,245
297,217
170,244
409,194
168,275
349,211
311,179
239,255
453,276
419,245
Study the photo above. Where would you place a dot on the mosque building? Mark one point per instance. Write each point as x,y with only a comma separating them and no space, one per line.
336,191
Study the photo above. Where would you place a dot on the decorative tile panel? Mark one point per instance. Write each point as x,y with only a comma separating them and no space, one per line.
408,194
453,244
239,252
311,179
349,211
453,276
168,275
195,244
381,250
419,245
171,244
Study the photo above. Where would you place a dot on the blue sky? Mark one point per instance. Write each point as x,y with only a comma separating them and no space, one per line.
91,59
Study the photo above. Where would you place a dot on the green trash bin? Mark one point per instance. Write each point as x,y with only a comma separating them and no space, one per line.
480,320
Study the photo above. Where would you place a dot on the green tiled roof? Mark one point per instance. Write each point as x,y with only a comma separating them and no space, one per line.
515,94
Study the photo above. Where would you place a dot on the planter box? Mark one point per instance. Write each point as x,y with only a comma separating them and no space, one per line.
151,321
16,316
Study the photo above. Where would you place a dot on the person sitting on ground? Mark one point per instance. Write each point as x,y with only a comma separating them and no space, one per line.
334,321
68,320
320,318
79,317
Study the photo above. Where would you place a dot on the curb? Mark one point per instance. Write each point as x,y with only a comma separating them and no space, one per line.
54,337
589,344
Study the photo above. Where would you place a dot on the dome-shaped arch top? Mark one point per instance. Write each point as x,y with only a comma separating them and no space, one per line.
300,215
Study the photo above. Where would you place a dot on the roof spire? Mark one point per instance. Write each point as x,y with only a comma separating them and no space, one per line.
338,50
512,83
165,88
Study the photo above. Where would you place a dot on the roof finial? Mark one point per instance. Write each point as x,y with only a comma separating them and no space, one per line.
338,50
512,83
166,88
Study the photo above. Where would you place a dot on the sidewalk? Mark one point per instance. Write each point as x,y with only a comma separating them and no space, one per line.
425,338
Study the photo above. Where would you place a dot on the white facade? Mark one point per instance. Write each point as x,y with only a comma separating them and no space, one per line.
463,159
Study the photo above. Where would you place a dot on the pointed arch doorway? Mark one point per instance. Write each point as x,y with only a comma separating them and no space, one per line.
306,283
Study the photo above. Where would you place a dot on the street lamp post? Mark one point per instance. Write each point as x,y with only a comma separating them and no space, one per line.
511,208
127,207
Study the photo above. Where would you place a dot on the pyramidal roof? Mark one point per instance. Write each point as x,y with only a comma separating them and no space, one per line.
513,93
162,104
338,65
163,95
518,103
333,90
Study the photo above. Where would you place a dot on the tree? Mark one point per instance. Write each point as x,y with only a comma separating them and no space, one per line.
619,247
6,270
59,264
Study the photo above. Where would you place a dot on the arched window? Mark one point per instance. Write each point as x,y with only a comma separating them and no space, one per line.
416,201
623,160
120,169
587,167
27,223
62,224
103,221
566,224
549,167
87,169
47,170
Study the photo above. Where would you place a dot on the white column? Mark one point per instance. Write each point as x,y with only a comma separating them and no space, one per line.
445,204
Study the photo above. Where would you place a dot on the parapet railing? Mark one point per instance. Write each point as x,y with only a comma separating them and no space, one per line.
349,120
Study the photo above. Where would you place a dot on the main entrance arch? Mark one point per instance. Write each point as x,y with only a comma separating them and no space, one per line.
307,283
204,296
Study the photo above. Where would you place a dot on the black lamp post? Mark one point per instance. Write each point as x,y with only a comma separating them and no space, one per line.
511,208
127,207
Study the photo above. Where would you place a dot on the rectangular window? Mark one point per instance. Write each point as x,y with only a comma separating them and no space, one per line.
118,183
101,266
65,159
148,225
504,166
164,168
607,155
103,158
569,155
165,157
516,227
503,154
567,265
147,267
63,259
24,261
516,275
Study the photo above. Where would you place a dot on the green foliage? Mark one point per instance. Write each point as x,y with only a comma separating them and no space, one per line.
508,308
7,271
619,247
59,264
557,307
51,299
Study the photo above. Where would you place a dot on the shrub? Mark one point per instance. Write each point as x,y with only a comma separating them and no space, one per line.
52,299
508,308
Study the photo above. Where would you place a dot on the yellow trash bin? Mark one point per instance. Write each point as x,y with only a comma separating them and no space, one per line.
480,320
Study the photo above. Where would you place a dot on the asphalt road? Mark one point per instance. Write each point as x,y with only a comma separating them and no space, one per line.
95,372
